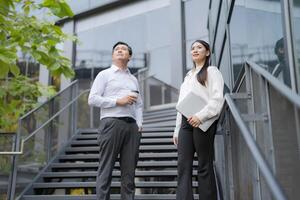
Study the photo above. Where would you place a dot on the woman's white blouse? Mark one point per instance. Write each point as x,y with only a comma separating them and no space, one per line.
212,92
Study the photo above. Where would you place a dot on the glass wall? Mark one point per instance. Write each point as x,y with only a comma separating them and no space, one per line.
220,31
213,17
296,27
257,34
150,40
80,6
224,66
195,25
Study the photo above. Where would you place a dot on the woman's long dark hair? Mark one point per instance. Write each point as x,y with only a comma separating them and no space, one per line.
202,74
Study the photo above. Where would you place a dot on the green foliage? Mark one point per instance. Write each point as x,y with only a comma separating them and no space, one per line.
58,7
18,96
21,31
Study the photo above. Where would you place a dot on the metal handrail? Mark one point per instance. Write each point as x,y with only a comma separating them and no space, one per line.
139,71
279,86
271,181
18,146
42,126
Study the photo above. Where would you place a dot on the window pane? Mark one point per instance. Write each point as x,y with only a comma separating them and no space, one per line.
196,14
147,33
220,31
256,32
296,20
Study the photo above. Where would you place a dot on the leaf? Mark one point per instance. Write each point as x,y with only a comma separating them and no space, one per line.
26,10
54,66
4,69
5,6
58,8
51,42
68,72
15,70
2,91
66,10
58,30
36,55
7,55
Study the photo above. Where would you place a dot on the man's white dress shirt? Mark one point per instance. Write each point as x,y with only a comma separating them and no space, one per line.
212,93
112,84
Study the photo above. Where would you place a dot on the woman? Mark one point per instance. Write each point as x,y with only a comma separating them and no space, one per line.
206,81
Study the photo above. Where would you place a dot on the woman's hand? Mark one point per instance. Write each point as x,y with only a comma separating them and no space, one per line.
194,121
175,140
140,129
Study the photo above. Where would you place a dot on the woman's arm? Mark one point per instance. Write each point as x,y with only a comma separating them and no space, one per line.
216,98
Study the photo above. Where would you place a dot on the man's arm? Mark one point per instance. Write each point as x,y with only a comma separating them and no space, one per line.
96,94
139,110
139,113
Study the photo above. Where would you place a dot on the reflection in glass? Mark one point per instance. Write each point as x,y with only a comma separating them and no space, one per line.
296,27
256,32
94,53
151,45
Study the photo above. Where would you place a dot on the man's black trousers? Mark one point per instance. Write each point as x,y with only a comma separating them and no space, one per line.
117,137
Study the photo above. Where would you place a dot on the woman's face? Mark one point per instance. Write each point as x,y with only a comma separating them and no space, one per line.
199,52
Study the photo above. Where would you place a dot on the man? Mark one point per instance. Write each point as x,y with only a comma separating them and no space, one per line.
115,91
281,70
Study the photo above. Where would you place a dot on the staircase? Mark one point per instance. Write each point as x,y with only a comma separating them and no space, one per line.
75,168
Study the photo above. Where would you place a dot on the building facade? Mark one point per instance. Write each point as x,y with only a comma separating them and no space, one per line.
256,46
160,32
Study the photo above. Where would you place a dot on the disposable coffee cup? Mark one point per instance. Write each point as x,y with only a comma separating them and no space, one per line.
133,93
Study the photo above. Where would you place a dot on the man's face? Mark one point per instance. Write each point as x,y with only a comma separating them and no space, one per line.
121,53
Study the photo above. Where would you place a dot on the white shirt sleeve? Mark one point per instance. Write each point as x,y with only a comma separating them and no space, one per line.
178,124
96,97
139,111
215,103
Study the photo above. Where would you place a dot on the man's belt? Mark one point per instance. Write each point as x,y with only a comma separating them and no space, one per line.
126,119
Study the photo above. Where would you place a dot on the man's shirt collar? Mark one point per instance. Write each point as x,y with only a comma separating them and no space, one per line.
115,68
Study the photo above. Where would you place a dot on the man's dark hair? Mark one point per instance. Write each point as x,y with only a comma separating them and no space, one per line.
279,45
123,43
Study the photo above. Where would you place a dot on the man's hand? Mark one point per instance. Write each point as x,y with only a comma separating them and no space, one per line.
140,129
194,121
175,140
126,100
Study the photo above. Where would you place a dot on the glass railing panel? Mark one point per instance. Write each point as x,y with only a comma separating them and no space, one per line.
285,135
263,134
33,159
6,145
84,118
5,171
243,165
60,129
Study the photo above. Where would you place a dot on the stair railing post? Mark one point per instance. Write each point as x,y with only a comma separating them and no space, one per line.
74,108
49,131
12,182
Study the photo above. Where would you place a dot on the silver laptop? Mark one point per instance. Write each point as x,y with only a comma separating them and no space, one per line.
190,105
